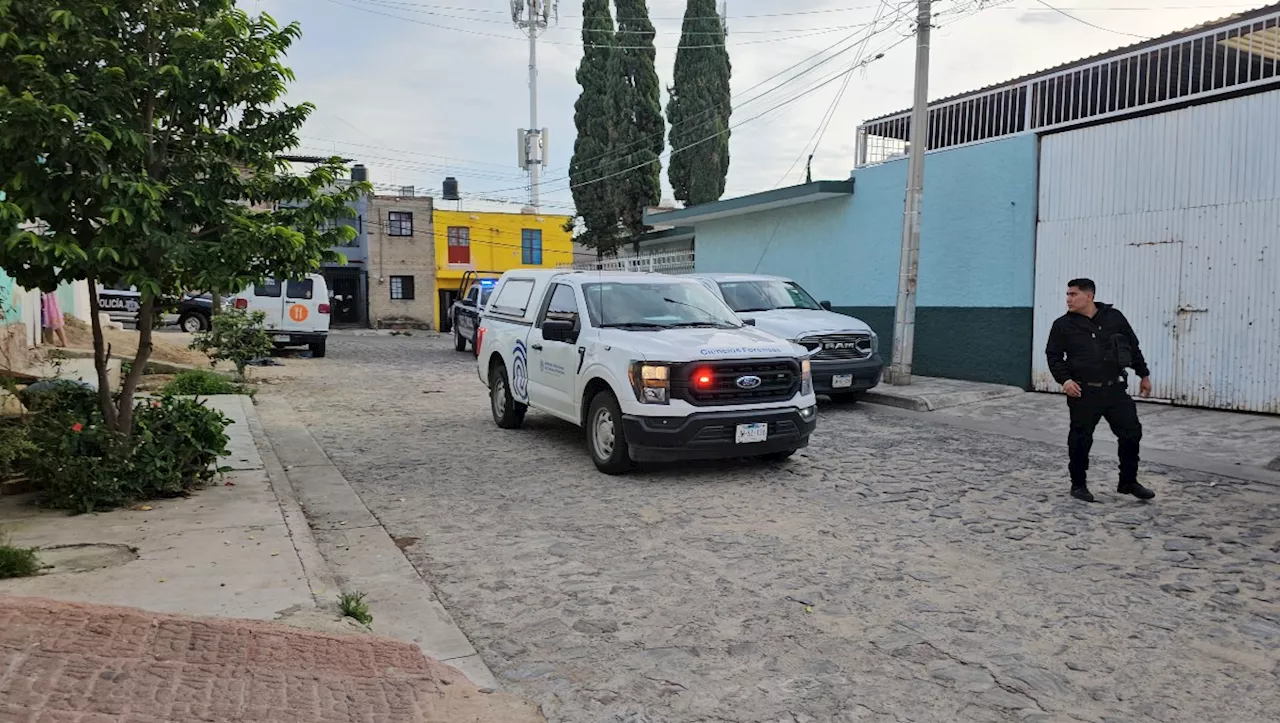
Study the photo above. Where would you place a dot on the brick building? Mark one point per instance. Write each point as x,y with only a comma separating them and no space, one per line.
402,262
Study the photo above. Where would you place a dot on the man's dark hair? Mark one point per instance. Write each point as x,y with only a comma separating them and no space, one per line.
1085,285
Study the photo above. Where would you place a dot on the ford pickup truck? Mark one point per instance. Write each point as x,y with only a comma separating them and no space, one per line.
652,367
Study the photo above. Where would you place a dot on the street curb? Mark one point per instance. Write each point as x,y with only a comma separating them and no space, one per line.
320,579
361,552
934,402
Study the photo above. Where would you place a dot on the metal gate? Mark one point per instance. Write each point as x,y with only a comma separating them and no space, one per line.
1176,216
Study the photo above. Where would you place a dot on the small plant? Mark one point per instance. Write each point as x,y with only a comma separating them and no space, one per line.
199,382
17,561
353,606
237,337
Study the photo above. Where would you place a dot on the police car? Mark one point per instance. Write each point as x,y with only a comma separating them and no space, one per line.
653,367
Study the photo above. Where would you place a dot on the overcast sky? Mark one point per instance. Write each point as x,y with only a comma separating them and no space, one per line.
421,89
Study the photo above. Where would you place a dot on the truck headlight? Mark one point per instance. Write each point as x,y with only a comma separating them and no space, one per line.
875,343
651,382
806,377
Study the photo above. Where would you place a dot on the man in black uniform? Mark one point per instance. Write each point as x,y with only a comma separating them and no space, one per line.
1089,349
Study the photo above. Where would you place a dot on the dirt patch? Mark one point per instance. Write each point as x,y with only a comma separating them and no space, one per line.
125,344
86,558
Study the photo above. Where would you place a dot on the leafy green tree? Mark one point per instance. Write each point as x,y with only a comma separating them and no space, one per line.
593,196
699,107
145,136
639,127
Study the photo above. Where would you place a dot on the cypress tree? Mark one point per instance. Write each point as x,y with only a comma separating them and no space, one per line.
699,107
593,117
638,117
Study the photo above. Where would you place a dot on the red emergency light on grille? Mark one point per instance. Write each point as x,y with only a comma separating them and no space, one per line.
703,379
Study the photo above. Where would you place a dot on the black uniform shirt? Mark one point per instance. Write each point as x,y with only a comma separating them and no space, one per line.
1079,348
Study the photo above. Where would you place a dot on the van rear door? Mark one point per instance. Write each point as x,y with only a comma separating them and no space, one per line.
301,307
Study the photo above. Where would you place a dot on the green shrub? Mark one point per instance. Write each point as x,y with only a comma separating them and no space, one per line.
237,337
15,446
199,382
353,606
17,561
81,466
61,395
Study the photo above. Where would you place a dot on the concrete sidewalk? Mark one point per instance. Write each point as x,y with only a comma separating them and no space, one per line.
929,394
227,550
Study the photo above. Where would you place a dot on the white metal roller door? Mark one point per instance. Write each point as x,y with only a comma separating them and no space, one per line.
1176,216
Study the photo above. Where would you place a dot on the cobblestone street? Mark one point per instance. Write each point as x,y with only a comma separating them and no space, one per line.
896,570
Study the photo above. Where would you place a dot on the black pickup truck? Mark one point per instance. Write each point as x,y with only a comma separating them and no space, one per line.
464,317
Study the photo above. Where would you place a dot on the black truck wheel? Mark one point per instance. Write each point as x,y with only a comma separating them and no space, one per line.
606,439
507,412
459,342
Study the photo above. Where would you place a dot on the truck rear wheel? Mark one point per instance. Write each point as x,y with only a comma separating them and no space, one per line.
459,343
507,412
317,349
605,436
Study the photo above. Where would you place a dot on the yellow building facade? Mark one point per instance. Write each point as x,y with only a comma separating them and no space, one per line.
488,241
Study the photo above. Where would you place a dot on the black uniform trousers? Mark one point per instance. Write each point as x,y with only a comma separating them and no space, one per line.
1113,403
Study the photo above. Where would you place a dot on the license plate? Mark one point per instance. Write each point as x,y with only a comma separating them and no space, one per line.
842,381
281,337
752,433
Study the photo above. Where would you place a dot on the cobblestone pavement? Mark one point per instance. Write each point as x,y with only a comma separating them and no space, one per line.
894,571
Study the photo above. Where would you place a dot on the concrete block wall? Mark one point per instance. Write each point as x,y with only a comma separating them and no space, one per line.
413,256
977,256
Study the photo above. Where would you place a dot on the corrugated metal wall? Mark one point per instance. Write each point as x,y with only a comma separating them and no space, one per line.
1177,218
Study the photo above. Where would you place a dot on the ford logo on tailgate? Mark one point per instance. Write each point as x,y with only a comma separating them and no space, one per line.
748,382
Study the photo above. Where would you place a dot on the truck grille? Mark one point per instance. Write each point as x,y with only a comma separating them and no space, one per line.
838,346
778,380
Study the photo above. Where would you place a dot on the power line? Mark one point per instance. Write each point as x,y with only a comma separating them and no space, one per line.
574,44
1066,14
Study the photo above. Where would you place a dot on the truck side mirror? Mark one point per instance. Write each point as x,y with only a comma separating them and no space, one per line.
559,330
749,322
826,305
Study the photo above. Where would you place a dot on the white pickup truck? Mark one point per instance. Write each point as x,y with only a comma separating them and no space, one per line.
654,367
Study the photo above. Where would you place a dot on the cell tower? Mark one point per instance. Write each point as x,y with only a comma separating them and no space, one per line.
533,17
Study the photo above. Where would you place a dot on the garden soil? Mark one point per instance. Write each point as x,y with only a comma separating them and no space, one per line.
124,344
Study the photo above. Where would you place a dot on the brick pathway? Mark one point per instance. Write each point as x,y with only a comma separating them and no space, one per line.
72,663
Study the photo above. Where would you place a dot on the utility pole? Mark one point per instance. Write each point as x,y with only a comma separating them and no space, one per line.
533,16
904,319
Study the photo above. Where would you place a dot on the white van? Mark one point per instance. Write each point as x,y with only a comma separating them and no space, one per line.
297,311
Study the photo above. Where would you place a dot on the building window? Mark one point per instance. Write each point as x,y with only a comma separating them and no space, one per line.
399,223
402,288
531,247
459,245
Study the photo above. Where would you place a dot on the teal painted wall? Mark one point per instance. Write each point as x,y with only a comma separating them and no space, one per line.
977,255
9,311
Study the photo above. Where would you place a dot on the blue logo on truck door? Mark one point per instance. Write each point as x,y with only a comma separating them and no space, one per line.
520,373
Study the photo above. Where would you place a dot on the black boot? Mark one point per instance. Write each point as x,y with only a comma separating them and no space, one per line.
1081,492
1135,489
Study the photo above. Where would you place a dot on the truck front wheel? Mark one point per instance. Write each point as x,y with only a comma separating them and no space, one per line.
459,343
605,436
507,412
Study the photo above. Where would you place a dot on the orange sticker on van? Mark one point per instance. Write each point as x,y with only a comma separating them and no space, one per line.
298,312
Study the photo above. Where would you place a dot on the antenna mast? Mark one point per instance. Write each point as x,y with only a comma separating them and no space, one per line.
533,17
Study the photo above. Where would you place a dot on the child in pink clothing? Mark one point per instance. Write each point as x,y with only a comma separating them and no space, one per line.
52,317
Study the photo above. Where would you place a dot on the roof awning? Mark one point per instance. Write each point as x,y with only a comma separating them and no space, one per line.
755,203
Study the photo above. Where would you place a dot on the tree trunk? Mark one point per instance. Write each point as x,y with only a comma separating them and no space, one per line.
101,355
216,298
146,323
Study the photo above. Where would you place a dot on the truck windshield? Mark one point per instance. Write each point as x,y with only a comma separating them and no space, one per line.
657,305
766,295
